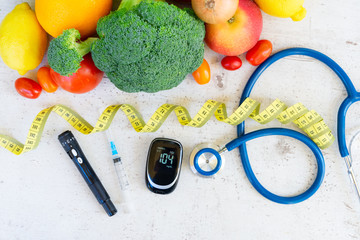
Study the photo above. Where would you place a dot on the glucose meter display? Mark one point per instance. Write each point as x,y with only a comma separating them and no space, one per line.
163,162
165,166
166,156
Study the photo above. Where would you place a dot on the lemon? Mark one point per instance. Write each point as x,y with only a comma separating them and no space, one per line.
283,8
23,41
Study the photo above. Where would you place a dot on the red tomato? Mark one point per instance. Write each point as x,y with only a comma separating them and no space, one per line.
202,74
231,63
259,53
45,80
84,80
28,88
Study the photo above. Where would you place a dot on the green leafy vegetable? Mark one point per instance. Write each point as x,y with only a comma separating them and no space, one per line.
150,46
66,52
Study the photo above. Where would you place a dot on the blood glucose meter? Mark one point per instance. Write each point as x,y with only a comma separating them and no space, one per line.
163,165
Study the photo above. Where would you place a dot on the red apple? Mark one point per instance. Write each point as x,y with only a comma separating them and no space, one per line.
237,35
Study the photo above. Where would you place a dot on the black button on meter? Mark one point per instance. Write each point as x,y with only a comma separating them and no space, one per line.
163,165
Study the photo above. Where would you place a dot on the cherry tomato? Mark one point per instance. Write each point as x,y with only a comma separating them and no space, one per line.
28,88
259,53
45,80
231,63
202,74
87,77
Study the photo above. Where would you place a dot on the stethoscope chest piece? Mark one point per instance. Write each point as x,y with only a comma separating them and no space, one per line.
205,160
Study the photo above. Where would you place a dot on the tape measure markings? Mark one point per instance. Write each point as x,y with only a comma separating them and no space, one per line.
309,121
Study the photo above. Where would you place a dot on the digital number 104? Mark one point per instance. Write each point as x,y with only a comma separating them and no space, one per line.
164,158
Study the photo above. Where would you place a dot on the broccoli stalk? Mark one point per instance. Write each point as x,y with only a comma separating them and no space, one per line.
128,4
66,52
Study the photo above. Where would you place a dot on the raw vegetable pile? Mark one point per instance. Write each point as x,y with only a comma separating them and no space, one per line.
146,45
138,48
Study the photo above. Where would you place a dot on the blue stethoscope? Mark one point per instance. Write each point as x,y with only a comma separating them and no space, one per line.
240,142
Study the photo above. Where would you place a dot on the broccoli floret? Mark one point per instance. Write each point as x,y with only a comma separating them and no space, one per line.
124,38
150,47
66,52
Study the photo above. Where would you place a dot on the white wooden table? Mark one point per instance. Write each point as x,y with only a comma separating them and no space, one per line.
43,195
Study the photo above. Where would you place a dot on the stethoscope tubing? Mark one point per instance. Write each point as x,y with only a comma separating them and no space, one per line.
299,51
353,96
282,132
343,149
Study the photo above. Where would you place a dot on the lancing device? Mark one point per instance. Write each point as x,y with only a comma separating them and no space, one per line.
73,149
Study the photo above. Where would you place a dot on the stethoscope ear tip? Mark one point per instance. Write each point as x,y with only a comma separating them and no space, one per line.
205,160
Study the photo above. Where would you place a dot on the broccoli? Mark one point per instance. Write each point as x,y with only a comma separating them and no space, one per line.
148,46
66,52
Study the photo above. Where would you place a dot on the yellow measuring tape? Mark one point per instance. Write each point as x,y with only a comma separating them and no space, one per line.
309,121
